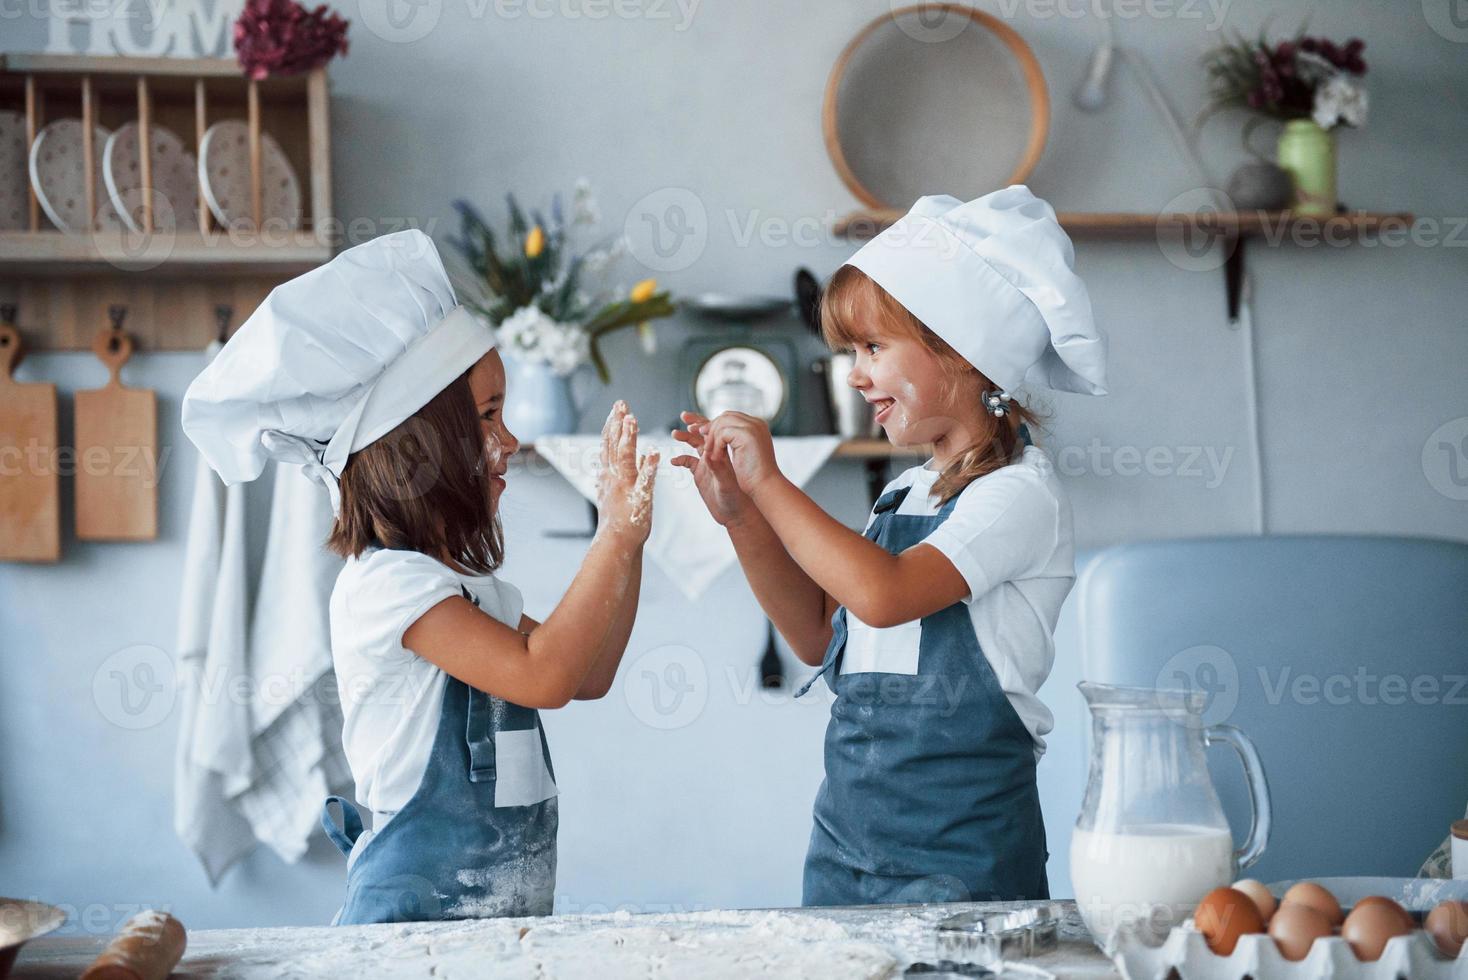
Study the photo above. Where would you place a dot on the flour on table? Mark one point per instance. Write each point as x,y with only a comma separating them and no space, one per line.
714,945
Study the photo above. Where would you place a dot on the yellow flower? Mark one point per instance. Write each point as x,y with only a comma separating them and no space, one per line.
642,292
534,242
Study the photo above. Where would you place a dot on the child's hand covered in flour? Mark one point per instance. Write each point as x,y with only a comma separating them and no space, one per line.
745,441
712,473
625,486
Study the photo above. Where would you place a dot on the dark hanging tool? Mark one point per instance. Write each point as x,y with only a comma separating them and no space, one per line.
771,669
808,299
223,313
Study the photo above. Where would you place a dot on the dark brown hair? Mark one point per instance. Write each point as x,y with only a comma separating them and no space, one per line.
854,307
423,487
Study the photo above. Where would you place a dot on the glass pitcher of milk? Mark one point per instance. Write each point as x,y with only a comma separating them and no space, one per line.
1152,839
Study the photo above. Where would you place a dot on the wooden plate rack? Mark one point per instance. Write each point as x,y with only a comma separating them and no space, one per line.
171,281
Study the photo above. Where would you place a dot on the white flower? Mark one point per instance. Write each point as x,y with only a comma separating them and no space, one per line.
596,261
520,331
599,260
584,209
1313,68
1340,100
533,336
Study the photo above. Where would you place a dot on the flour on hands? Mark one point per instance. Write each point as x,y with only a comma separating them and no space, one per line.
624,486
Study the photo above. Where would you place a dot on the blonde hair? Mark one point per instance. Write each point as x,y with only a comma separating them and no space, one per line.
854,307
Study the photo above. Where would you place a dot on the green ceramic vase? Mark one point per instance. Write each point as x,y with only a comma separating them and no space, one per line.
1307,153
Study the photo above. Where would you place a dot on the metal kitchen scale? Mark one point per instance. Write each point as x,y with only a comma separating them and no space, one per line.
737,367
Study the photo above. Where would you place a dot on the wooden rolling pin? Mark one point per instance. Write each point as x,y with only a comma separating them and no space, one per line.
148,948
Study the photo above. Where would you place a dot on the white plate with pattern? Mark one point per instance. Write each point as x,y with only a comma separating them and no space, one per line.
224,173
175,179
58,175
14,202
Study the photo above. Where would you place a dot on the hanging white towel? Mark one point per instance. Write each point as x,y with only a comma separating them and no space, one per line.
296,721
212,761
686,543
260,738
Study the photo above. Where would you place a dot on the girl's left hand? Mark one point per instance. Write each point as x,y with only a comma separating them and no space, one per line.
750,448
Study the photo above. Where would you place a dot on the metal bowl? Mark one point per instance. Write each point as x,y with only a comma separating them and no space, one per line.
723,306
20,922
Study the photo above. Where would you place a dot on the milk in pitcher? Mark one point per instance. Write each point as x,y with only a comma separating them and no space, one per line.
1151,875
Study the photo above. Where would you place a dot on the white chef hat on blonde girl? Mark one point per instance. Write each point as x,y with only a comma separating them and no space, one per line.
987,287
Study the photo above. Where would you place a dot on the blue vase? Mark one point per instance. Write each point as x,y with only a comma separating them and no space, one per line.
537,401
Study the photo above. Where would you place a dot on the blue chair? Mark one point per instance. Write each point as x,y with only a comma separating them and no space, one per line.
1345,659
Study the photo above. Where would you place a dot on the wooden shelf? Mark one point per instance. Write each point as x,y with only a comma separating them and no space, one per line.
57,253
1231,228
865,224
879,449
76,64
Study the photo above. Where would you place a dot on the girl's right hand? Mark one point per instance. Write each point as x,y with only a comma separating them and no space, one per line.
713,474
625,486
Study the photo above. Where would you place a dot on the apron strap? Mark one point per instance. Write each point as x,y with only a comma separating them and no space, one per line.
890,500
885,507
825,669
346,835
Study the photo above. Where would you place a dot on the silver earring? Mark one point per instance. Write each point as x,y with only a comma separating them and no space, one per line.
995,403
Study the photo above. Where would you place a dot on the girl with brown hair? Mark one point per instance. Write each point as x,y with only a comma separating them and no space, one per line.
368,373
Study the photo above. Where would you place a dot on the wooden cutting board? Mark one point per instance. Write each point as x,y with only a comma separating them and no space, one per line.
116,452
30,512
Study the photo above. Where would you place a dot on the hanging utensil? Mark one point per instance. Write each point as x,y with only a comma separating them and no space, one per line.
116,449
30,511
771,668
808,299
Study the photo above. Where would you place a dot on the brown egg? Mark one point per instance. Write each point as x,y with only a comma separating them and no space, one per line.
1448,926
1262,896
1295,927
1370,925
1223,916
1322,901
1385,902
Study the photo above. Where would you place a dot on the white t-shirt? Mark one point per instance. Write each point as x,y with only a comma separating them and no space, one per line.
1010,537
390,695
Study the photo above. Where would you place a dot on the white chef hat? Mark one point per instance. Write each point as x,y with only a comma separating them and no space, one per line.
995,279
332,361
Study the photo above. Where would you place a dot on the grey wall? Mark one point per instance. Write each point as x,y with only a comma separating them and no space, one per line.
1361,354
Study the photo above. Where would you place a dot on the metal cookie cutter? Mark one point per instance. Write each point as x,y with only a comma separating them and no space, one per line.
995,940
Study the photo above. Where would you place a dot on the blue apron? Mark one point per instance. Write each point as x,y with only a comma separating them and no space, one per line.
478,837
930,791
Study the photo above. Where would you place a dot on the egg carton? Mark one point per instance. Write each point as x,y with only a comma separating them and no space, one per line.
1186,951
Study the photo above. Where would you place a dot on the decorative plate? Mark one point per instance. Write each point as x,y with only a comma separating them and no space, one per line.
224,172
58,175
175,179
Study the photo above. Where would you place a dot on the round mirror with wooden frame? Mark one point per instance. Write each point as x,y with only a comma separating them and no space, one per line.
934,98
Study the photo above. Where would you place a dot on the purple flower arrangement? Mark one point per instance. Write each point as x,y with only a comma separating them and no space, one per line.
1301,78
281,37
